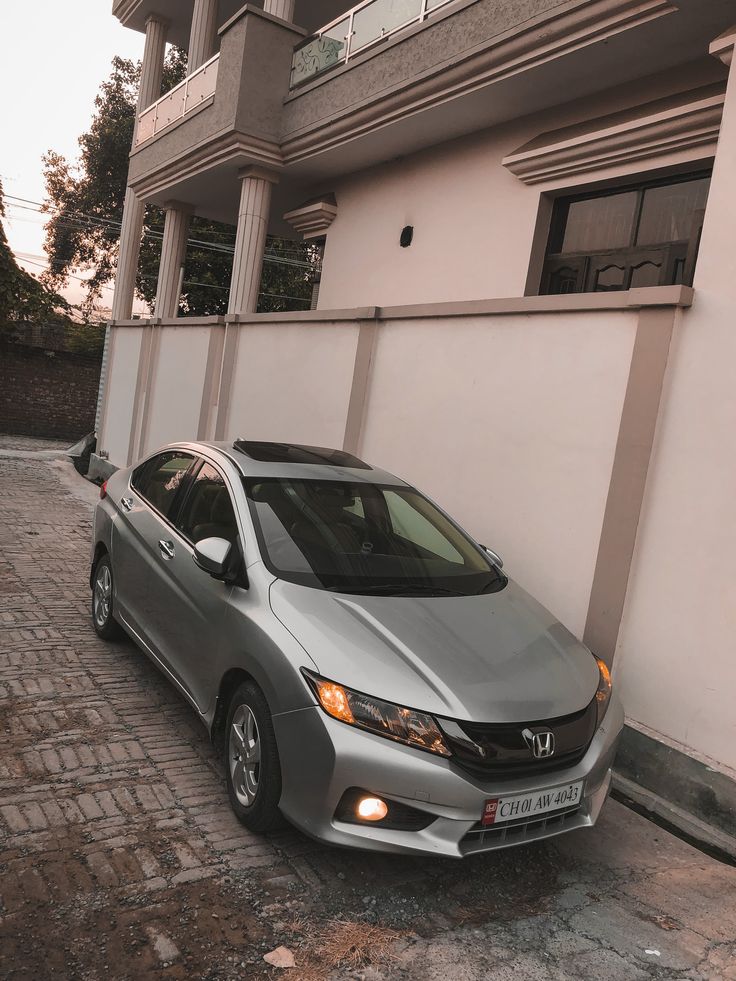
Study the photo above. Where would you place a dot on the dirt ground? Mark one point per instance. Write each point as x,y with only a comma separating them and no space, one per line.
119,856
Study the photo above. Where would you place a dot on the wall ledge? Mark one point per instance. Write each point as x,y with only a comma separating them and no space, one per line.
638,299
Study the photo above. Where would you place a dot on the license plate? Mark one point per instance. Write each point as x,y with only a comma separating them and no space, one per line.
500,809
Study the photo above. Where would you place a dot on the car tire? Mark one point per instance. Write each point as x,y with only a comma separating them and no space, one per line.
252,765
106,626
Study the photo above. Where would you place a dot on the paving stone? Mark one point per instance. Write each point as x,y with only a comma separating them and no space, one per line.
114,816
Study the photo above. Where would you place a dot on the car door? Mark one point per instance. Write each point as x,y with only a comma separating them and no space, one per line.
139,529
196,605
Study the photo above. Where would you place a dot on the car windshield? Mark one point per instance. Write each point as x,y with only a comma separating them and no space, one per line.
365,538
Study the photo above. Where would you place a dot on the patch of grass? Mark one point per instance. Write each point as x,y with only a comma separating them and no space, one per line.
349,944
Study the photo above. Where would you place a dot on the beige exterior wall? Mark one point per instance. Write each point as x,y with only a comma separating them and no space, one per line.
677,648
178,372
121,395
474,221
292,382
511,425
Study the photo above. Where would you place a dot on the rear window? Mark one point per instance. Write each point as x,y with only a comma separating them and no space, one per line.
159,479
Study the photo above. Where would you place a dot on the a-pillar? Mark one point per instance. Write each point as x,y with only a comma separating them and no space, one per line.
173,254
280,8
133,210
250,243
203,37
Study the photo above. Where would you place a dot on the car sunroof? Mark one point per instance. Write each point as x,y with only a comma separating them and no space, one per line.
293,453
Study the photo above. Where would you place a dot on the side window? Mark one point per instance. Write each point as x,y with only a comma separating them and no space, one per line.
410,524
208,510
159,480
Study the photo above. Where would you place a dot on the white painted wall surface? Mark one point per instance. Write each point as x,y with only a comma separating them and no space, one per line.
292,382
177,386
677,648
509,423
122,374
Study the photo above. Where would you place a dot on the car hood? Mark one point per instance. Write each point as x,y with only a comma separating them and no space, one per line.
499,657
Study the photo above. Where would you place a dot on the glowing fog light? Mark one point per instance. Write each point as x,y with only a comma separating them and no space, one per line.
371,809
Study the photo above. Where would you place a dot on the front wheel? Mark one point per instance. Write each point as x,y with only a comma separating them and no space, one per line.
252,762
103,621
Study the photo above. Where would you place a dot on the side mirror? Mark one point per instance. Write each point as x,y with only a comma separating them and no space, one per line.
494,556
212,555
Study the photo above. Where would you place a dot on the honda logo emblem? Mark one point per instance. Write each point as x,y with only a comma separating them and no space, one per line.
542,744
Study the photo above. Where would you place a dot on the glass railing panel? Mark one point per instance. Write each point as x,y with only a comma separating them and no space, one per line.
201,85
146,125
375,20
171,107
184,97
320,53
364,25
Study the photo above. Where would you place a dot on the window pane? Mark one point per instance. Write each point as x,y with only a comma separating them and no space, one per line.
600,223
668,212
160,479
208,511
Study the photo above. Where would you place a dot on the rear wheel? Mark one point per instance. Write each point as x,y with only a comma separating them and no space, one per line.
252,762
102,619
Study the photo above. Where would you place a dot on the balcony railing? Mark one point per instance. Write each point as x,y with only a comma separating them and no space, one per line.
179,101
366,24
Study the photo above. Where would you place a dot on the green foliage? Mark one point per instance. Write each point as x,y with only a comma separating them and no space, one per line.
22,298
86,210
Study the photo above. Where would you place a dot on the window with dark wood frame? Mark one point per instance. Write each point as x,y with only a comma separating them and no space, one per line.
645,235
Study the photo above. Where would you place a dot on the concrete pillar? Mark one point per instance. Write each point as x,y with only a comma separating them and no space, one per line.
152,68
173,253
203,37
250,243
716,269
280,8
133,211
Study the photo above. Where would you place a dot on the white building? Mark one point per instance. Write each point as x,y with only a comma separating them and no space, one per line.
526,307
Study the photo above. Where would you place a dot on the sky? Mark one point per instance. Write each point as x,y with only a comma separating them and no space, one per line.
53,56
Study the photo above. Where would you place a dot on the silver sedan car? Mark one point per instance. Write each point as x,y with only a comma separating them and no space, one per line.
366,669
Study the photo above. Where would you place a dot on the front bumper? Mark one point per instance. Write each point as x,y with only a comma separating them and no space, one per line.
321,758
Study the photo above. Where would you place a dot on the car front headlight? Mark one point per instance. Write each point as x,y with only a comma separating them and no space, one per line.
603,694
403,725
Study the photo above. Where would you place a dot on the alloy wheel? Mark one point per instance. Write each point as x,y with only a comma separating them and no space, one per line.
244,755
102,595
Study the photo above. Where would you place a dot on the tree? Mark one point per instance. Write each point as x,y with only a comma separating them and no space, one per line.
22,298
86,211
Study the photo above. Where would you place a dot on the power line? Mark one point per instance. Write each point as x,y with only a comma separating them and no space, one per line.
42,208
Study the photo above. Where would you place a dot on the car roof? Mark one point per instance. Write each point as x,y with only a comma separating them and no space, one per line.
256,458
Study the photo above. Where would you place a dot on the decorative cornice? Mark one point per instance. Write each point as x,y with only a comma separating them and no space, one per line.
649,131
313,218
222,148
124,9
722,47
545,38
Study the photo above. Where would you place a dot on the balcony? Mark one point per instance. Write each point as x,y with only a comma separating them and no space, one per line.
355,31
179,101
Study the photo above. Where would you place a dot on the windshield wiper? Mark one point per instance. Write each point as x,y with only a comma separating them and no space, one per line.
396,589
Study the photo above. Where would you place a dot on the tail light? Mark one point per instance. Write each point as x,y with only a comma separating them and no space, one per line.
103,491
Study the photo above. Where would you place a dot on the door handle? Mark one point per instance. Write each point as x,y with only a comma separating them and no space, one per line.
126,503
167,549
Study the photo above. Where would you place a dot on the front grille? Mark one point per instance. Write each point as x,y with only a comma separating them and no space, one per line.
506,755
479,839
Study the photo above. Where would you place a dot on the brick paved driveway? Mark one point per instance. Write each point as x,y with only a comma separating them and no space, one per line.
119,857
